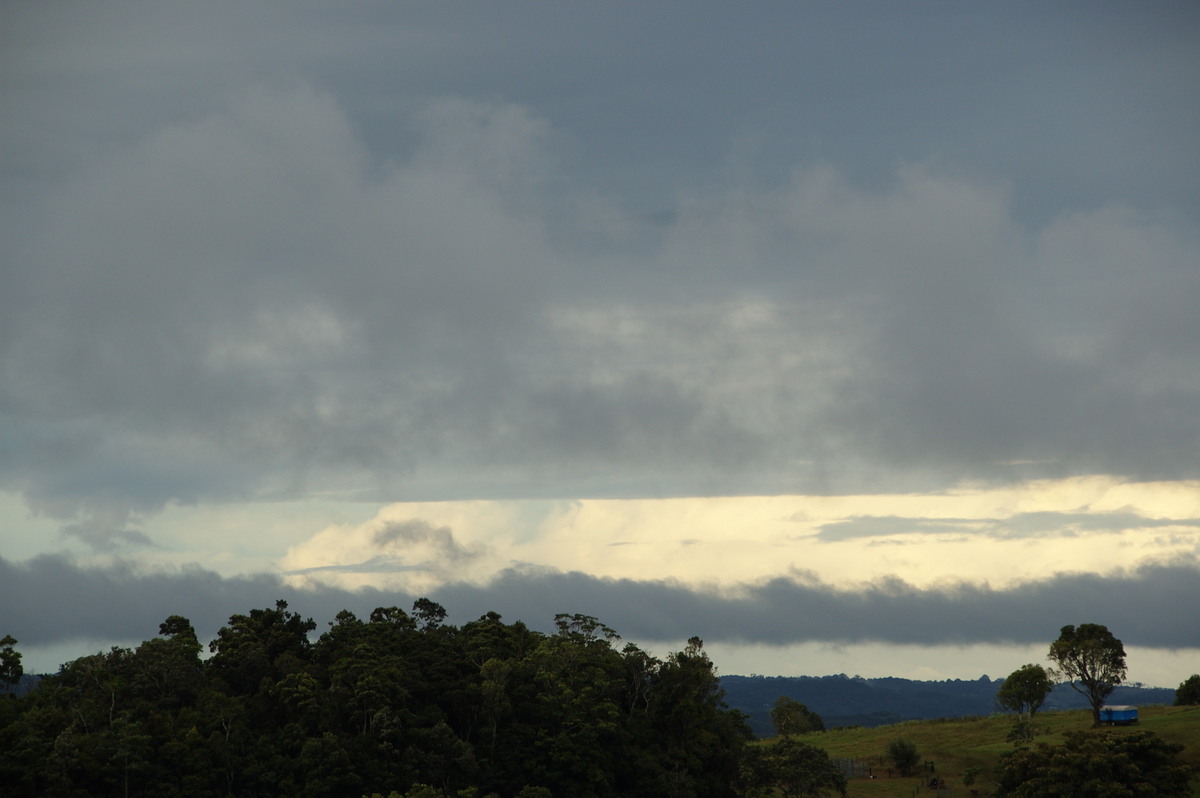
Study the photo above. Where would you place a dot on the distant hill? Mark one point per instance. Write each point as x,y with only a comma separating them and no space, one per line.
854,701
28,682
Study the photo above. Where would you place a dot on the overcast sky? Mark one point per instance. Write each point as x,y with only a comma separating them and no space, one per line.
852,337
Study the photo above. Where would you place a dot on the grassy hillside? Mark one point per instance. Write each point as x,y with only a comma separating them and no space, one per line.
954,745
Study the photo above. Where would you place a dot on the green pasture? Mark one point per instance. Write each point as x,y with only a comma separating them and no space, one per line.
955,745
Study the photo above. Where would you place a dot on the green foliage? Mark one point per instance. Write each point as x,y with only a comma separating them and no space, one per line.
534,792
260,647
10,661
1092,660
402,704
428,614
790,768
1023,732
903,754
698,741
1188,693
1095,764
789,716
1025,690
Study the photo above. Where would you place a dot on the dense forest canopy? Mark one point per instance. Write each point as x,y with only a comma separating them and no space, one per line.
376,705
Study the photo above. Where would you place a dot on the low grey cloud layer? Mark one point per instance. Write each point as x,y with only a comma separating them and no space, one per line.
50,598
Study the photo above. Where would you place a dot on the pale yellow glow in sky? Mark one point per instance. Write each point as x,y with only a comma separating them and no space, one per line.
720,541
729,540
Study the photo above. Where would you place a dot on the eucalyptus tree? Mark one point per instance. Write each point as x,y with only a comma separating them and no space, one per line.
1092,660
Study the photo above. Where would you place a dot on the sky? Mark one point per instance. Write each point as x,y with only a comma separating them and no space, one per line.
849,337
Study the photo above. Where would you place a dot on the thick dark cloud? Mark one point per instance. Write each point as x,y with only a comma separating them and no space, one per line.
50,599
1044,94
403,252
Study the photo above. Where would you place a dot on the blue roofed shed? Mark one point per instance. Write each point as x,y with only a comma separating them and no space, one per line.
1118,715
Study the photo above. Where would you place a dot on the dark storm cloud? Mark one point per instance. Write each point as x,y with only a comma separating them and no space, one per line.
50,599
402,252
796,81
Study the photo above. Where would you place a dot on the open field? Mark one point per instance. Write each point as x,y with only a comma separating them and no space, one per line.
956,744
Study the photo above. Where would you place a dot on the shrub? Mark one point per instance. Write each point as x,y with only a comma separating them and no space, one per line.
904,755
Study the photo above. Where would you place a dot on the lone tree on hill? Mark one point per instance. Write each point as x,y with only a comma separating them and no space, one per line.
1092,660
1188,693
1025,690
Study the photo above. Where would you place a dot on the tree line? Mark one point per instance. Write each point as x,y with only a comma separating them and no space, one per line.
405,705
401,702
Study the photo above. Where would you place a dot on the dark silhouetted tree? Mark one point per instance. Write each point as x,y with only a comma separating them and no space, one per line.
10,661
397,705
428,614
264,645
1188,692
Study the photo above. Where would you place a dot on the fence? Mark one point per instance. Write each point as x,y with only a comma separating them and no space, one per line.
923,787
853,768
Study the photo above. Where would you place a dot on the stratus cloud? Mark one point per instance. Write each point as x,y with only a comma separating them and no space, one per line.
1037,525
50,599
